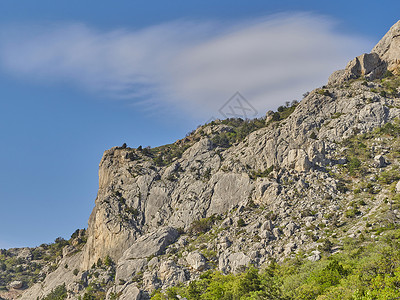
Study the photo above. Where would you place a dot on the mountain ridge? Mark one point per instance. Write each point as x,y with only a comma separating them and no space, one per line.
238,192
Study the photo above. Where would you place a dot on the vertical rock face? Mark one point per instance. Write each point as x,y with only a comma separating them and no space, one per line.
107,235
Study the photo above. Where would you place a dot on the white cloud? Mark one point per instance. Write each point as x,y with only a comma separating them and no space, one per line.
193,66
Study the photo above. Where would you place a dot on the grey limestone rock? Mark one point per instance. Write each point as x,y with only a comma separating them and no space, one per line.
388,48
196,261
384,56
234,262
17,284
379,161
140,204
131,292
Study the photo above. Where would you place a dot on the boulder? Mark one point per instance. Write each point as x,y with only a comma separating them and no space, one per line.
131,292
17,284
128,268
267,225
379,161
196,260
316,255
25,253
289,229
368,65
151,244
171,274
224,243
384,56
289,247
337,77
234,262
68,250
276,232
297,159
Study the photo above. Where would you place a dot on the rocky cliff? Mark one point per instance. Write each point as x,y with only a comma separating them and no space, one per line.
236,192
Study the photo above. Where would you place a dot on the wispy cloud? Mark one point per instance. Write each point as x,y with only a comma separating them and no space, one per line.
195,66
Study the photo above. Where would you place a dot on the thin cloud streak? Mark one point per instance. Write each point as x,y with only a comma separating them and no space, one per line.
193,67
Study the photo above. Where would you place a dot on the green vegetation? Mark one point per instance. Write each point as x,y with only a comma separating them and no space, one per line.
93,293
203,225
241,129
336,115
241,223
388,86
359,153
59,293
165,155
324,92
364,269
214,285
353,165
97,289
283,112
256,174
29,269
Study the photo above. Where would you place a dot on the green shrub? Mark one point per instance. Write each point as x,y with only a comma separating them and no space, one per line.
108,261
99,263
323,92
388,74
59,293
241,223
252,284
202,225
336,115
353,165
326,246
256,174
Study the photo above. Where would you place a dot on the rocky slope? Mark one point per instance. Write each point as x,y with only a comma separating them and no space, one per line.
235,193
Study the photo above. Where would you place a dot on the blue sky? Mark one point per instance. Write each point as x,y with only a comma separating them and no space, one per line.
79,77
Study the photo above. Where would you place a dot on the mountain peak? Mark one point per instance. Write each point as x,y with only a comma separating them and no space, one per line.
388,48
385,56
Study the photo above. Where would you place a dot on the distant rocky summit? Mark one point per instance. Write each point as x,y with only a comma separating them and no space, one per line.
240,194
384,57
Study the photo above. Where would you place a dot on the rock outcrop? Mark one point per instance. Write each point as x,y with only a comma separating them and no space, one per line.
385,56
388,49
226,206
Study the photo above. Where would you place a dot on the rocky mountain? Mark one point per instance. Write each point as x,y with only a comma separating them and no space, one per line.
236,193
